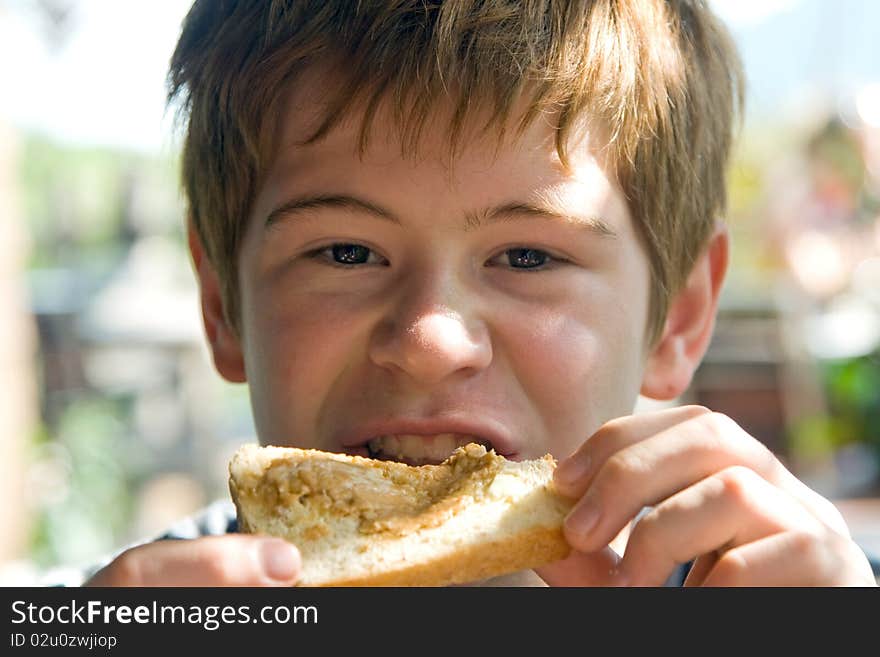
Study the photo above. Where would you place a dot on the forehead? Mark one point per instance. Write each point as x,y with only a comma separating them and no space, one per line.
520,170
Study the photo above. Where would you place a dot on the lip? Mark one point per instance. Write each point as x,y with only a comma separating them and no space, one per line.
489,430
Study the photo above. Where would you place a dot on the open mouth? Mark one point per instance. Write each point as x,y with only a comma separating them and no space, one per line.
420,450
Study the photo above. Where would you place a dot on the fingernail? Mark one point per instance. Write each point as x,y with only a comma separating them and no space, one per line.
583,518
279,559
572,469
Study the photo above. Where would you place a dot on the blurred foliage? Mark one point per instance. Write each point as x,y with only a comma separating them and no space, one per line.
853,388
811,438
83,484
84,205
753,263
787,177
852,421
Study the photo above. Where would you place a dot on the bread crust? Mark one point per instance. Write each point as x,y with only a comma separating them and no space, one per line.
476,555
530,549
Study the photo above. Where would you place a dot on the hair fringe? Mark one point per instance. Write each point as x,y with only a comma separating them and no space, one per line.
661,78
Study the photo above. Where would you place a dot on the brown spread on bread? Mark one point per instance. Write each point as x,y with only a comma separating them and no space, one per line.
387,497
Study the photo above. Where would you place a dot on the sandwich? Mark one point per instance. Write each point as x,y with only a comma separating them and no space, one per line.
360,521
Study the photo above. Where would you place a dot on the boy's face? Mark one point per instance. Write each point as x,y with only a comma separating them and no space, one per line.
505,298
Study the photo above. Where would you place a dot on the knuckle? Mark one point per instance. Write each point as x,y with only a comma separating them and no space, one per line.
719,432
618,469
805,545
693,411
830,515
738,484
126,569
833,559
716,426
609,434
653,534
815,550
731,569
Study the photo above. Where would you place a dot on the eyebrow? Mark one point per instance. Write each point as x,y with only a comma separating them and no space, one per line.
473,220
517,210
338,201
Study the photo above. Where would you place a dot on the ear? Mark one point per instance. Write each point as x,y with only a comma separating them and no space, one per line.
689,323
222,338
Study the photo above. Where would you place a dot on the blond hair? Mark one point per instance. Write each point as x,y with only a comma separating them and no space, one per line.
662,77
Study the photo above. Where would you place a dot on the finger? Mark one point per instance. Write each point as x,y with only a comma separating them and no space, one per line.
233,560
573,475
648,472
583,569
700,568
734,507
793,559
714,439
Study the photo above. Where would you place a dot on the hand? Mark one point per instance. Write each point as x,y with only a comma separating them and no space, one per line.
231,560
718,497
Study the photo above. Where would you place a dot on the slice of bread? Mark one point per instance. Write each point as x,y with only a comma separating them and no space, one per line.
364,522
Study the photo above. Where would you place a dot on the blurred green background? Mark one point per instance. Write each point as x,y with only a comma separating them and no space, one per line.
114,422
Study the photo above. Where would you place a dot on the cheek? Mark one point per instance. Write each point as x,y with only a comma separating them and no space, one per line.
582,372
294,350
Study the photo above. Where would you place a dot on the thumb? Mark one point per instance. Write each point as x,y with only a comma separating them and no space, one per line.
583,569
228,560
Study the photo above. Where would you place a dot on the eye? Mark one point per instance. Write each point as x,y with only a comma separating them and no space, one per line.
524,258
345,254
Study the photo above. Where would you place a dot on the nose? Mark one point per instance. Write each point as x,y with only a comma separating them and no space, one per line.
431,345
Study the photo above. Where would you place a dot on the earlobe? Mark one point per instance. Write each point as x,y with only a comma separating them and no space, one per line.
689,323
222,338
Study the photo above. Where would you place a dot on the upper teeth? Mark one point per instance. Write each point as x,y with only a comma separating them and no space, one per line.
420,449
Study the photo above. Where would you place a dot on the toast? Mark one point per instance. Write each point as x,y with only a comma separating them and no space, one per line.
364,522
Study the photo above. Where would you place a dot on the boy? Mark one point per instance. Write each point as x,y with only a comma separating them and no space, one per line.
414,223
